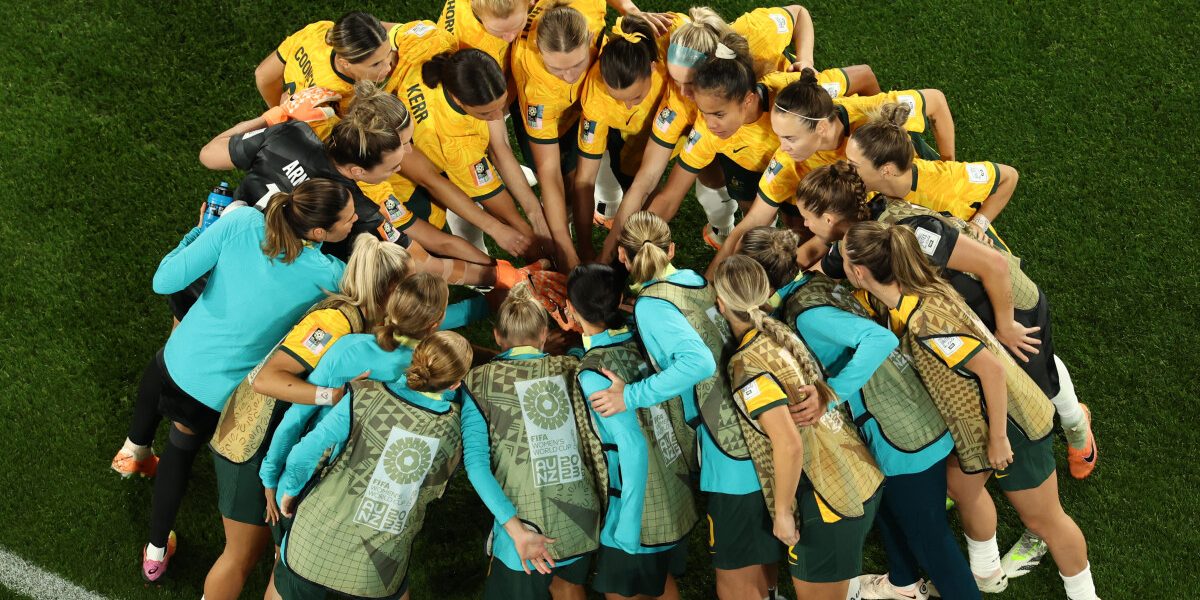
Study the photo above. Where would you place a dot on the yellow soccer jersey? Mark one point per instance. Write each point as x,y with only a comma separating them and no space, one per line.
458,19
314,335
550,105
414,42
455,141
955,187
761,394
783,175
396,216
307,62
603,116
752,146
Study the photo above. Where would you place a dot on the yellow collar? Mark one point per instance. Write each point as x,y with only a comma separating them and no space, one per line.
611,333
667,271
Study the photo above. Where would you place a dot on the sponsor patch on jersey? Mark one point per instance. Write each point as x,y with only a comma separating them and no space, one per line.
782,25
389,232
693,137
589,131
928,240
977,173
908,100
749,392
533,116
420,29
947,345
664,119
833,88
317,340
483,172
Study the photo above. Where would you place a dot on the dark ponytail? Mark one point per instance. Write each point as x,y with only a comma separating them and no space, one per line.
629,52
595,292
805,100
316,203
729,72
472,76
835,189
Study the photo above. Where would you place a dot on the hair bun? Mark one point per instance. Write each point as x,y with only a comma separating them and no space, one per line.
808,76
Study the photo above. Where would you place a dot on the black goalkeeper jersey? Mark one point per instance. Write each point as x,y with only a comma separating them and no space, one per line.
277,159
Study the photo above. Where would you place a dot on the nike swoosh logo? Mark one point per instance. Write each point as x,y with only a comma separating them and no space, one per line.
1091,457
999,476
740,149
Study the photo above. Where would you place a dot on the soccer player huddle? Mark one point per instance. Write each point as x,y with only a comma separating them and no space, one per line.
863,350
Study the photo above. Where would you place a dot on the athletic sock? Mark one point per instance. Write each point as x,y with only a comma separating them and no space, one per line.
138,451
1080,586
719,207
1066,404
908,590
465,230
854,591
155,552
984,556
608,190
170,483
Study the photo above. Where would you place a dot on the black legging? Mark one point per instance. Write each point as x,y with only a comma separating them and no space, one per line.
175,464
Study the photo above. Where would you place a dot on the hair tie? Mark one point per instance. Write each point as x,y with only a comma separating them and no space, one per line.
796,114
632,38
724,52
644,242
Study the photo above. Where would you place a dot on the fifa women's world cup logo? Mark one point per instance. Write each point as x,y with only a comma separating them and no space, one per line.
408,461
550,431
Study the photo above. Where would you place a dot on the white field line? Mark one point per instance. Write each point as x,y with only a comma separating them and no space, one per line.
23,577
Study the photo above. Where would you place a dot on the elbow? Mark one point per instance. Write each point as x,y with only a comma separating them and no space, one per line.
706,366
259,384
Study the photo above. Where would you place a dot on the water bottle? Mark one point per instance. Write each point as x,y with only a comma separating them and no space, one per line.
218,199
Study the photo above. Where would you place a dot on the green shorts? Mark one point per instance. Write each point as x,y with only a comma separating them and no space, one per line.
1033,462
624,574
829,552
740,182
280,529
740,532
503,583
294,587
240,495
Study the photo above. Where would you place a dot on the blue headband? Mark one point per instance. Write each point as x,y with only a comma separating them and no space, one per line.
684,56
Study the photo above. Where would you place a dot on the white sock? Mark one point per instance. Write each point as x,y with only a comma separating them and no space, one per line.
530,178
465,230
1080,586
854,592
719,207
155,553
138,452
908,589
608,189
1066,403
984,556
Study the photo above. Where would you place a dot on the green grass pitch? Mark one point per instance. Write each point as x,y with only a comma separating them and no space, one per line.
105,105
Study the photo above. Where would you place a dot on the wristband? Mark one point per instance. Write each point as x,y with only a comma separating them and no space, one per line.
323,397
982,221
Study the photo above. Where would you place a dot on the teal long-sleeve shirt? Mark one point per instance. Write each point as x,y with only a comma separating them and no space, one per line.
626,452
477,459
683,360
345,360
352,354
250,302
850,349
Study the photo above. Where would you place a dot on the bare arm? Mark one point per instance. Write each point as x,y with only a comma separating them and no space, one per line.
787,452
423,172
659,21
268,77
995,203
992,269
586,170
938,111
990,371
761,214
442,244
654,163
280,378
514,178
548,165
803,36
215,154
666,203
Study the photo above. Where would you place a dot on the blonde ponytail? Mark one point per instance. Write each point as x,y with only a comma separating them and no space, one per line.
741,284
371,127
562,28
374,269
646,239
438,362
521,319
892,254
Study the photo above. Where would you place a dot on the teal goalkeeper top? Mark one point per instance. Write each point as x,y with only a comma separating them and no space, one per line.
249,304
683,361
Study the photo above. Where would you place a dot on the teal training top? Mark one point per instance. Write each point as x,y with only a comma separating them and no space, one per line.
477,458
684,361
248,305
